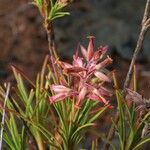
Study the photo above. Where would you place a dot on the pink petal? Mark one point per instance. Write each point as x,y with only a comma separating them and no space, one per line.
77,62
103,50
84,52
104,63
99,53
60,89
77,52
90,49
102,76
57,97
81,95
91,65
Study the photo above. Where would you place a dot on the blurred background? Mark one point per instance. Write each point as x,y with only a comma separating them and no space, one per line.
116,23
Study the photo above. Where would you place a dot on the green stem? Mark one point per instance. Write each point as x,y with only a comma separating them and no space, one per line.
40,144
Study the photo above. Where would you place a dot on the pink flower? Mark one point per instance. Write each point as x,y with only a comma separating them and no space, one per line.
86,76
90,49
61,92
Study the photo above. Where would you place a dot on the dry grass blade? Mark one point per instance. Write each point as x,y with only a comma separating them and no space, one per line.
3,115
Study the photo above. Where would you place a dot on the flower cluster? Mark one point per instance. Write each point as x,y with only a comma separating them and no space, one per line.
86,76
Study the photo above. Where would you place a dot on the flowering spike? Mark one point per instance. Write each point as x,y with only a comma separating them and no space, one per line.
90,49
82,73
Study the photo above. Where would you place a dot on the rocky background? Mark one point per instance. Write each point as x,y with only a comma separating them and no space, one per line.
115,23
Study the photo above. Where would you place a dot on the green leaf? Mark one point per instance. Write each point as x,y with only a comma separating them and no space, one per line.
9,141
39,3
82,114
14,132
21,88
146,116
37,89
12,136
103,138
131,133
122,127
94,117
29,110
81,128
141,143
129,139
56,12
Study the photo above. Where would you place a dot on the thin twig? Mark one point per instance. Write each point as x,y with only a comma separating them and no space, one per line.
3,115
51,39
144,29
49,30
43,71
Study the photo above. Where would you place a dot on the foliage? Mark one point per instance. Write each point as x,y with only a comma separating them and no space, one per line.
51,9
132,127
